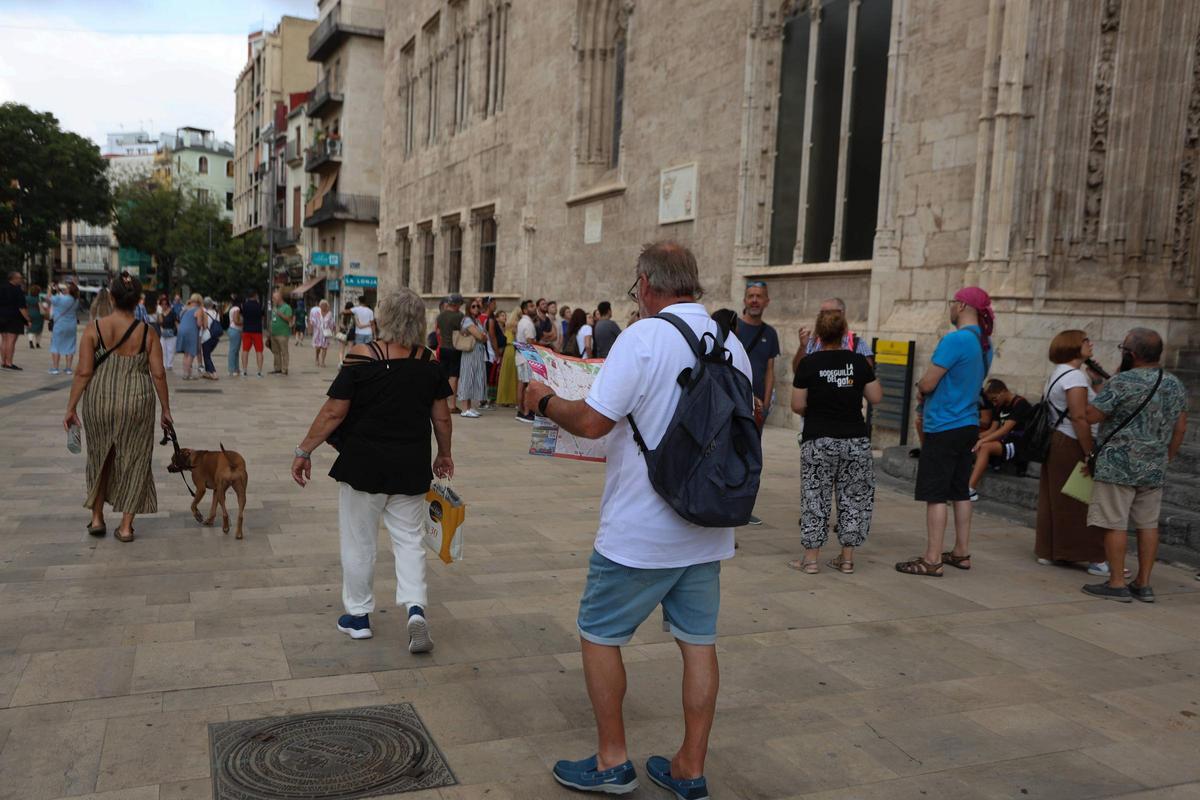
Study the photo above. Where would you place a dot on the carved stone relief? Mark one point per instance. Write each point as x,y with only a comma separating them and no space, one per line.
1189,177
1110,21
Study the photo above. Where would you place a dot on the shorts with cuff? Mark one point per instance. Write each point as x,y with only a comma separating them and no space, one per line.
617,599
252,339
1115,506
451,360
944,469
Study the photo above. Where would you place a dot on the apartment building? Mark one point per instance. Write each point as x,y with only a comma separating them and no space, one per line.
343,156
276,66
202,164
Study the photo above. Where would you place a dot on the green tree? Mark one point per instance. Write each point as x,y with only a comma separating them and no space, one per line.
147,212
47,176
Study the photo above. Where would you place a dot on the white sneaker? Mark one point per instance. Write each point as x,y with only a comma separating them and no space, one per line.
1045,562
973,496
419,640
1100,569
470,414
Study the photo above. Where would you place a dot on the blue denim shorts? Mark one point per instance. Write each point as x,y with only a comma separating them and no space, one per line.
617,599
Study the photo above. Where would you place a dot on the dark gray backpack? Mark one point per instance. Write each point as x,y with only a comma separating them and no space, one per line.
708,464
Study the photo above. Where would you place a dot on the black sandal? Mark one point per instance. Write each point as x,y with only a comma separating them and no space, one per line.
121,538
919,566
98,531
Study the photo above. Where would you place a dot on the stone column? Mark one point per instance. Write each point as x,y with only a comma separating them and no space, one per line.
814,31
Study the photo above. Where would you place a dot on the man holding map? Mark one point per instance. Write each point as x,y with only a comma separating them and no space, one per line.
645,554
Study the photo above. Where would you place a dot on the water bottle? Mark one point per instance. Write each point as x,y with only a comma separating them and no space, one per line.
74,436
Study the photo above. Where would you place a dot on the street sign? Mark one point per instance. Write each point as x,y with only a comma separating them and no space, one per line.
331,285
320,259
363,281
894,362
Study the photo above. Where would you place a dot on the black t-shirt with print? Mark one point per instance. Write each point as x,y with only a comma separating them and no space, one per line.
1018,411
834,380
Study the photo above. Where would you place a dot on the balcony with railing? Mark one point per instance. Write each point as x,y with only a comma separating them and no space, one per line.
93,239
326,96
343,20
292,154
323,154
350,207
282,237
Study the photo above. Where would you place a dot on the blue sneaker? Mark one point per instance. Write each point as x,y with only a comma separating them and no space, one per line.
659,770
355,627
584,776
419,640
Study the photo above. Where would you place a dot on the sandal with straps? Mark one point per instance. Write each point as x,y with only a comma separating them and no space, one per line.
807,567
919,566
122,537
960,562
841,565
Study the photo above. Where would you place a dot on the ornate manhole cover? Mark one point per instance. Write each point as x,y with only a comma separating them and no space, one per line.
334,755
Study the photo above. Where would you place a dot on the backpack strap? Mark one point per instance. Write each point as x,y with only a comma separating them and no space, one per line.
1046,397
982,349
145,331
686,330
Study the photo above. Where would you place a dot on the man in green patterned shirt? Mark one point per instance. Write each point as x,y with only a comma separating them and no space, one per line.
1134,447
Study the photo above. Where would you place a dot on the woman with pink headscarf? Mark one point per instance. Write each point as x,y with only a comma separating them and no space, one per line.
950,391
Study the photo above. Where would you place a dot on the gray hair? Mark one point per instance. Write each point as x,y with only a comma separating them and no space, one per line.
839,302
1145,344
400,316
670,270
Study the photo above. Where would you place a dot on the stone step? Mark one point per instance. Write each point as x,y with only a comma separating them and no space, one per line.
1187,358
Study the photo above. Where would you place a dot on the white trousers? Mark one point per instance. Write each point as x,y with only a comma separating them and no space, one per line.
168,348
404,516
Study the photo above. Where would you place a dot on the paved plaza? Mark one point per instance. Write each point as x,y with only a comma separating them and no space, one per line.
1001,682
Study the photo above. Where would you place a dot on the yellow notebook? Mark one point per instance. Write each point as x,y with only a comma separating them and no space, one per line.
1079,485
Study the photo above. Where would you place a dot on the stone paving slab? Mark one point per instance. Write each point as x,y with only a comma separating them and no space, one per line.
1001,682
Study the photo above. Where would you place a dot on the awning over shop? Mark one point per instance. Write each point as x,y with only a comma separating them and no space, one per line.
308,284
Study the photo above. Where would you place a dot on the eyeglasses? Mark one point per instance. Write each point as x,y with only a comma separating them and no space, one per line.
633,289
476,305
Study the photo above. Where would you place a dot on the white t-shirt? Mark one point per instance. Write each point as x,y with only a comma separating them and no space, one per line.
581,339
1072,379
526,332
235,322
363,317
637,527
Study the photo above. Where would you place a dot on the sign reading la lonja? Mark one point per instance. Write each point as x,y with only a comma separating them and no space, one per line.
326,259
362,281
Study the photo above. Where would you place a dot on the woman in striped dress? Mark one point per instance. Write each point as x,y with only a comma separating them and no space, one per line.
120,371
472,372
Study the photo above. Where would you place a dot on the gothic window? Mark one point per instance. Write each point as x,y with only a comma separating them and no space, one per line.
494,26
432,77
203,166
427,259
405,242
487,249
454,239
833,75
408,95
460,52
600,45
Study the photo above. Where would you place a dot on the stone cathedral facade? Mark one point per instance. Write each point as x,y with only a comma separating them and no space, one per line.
882,151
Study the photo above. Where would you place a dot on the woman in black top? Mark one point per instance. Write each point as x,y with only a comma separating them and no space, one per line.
379,413
835,448
14,316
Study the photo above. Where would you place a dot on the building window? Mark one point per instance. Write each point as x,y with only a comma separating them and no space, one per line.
408,94
432,77
202,195
229,169
460,51
487,250
494,26
203,165
405,242
229,201
601,44
427,259
826,190
454,237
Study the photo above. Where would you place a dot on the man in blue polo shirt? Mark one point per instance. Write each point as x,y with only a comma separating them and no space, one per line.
950,390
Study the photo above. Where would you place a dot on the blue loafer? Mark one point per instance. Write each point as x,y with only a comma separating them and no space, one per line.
659,770
583,775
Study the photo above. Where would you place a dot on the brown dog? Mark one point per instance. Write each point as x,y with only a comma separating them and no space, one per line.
217,471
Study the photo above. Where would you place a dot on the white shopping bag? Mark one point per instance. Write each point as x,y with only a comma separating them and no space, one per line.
444,518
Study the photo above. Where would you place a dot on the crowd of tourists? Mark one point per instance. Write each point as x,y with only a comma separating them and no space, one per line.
660,541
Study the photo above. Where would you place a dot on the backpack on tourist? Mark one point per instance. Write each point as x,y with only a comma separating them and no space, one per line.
708,464
1035,444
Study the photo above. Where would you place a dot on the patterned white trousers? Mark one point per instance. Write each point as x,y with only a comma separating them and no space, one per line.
844,466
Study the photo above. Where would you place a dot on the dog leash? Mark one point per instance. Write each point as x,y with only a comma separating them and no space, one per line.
169,435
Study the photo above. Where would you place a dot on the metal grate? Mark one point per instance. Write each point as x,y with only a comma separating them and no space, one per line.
335,755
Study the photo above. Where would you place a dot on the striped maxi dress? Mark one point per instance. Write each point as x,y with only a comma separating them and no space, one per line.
118,417
472,372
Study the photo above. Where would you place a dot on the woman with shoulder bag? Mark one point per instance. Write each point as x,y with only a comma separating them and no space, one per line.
382,405
320,320
472,370
1063,536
